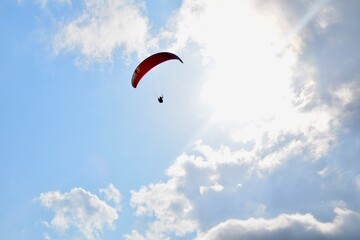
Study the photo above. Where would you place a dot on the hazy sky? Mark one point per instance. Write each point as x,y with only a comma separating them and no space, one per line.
258,136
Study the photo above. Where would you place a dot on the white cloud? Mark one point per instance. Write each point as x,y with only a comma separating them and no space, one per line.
276,159
205,190
216,187
264,87
240,85
135,235
112,194
169,208
103,27
288,226
256,83
80,210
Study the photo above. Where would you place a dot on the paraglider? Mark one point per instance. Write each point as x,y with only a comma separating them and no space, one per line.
161,99
148,64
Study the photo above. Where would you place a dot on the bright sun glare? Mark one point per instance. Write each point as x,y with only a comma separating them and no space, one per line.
250,73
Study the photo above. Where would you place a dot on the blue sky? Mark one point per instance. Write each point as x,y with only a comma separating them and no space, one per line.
258,136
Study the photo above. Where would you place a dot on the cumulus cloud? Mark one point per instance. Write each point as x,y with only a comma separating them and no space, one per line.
169,208
330,53
216,185
288,226
112,194
80,210
269,76
263,87
135,235
103,27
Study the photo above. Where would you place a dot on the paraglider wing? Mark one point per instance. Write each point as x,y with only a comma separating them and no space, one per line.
150,63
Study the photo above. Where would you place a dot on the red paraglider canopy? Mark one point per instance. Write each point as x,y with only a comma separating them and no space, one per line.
150,63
